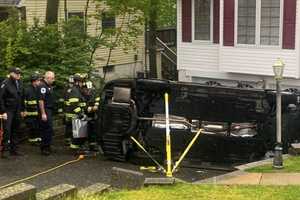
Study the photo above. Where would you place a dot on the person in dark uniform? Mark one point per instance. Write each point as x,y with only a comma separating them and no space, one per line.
74,108
11,107
92,100
46,106
68,118
31,109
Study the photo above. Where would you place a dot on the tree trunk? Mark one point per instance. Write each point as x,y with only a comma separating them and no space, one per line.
52,11
152,38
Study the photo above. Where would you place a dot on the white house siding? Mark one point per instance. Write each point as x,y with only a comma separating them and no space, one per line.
194,56
79,6
124,62
257,61
199,63
35,9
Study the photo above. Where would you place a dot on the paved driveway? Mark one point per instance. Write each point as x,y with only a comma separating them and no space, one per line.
81,174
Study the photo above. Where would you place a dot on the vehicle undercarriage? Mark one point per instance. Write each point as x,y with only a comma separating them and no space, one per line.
238,123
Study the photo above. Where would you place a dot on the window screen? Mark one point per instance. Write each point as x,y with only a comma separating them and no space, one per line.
246,21
202,19
75,14
80,23
3,14
108,21
270,22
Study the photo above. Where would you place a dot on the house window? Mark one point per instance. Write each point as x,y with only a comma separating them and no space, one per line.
258,22
3,14
108,21
75,14
270,22
246,21
108,69
79,23
202,19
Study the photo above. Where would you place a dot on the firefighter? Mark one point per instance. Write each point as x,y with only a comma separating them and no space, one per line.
92,101
60,105
84,79
11,107
31,109
74,108
46,107
68,118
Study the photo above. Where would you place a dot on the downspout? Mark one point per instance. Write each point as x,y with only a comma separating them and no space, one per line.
86,15
66,10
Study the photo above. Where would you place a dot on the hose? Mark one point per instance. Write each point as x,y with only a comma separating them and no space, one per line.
80,157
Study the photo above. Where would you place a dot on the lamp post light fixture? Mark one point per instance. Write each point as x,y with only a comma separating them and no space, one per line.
278,68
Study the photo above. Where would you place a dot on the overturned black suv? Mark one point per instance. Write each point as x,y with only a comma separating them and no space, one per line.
238,123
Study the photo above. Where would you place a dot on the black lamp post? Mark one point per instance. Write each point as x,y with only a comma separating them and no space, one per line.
278,68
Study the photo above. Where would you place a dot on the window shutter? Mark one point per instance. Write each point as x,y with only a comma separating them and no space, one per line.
186,20
216,21
228,23
289,24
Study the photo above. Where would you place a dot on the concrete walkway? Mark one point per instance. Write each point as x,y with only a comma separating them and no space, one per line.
241,177
256,179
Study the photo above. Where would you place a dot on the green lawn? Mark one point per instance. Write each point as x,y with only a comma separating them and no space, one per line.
215,192
291,164
206,192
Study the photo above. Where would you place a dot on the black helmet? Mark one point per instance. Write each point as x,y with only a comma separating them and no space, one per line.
77,77
35,77
16,70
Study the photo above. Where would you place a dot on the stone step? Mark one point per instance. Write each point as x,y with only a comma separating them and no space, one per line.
25,191
58,192
294,149
20,191
159,181
95,189
126,179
